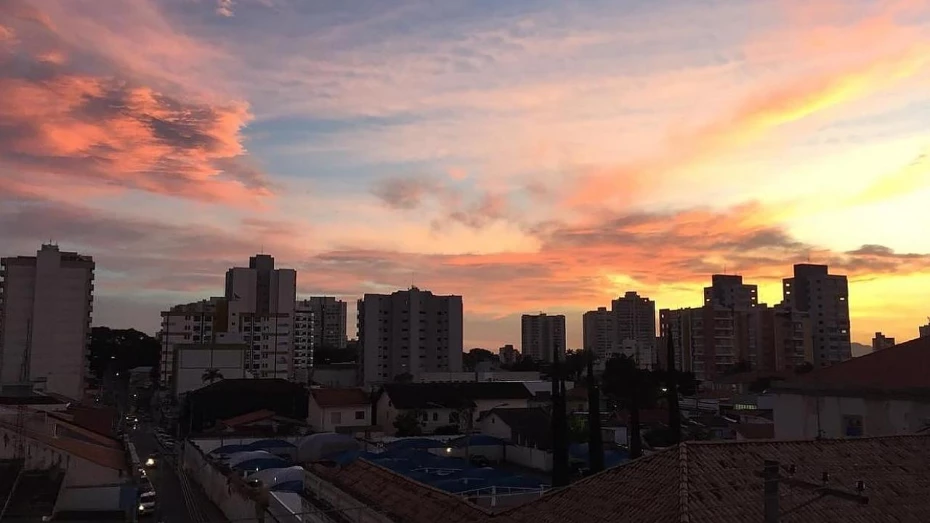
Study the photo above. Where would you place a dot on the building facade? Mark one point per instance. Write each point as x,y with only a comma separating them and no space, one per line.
261,309
779,338
825,297
677,324
635,324
599,332
728,291
329,321
408,332
543,335
185,324
197,365
45,316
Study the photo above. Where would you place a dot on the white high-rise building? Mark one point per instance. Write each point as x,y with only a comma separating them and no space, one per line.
261,302
409,332
826,298
45,315
186,324
542,335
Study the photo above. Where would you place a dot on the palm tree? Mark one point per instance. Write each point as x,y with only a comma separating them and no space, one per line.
211,375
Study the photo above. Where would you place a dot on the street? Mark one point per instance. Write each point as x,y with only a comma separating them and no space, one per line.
179,501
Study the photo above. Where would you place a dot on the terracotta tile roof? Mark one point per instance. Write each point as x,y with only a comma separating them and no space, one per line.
697,482
400,498
716,482
325,397
905,366
250,417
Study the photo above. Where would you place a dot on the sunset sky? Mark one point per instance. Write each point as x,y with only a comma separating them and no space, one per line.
529,155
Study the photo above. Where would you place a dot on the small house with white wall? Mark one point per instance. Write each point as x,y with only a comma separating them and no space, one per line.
879,394
333,409
447,405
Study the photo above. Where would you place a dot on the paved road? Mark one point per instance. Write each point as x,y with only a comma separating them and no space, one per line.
173,498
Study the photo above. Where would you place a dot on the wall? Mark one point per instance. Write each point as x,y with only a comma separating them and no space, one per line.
495,453
320,418
529,458
797,416
193,360
217,486
95,498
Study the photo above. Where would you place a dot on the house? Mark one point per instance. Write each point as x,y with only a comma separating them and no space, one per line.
698,482
882,393
260,423
229,398
332,409
530,427
456,406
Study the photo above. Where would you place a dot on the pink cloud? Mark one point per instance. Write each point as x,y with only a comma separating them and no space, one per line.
59,122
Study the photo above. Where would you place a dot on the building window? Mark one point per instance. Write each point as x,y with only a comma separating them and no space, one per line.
360,414
335,417
852,426
435,416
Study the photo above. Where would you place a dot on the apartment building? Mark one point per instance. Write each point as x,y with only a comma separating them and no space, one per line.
408,332
728,291
825,297
635,318
778,338
46,302
329,320
542,335
261,309
924,330
599,333
677,324
881,342
197,323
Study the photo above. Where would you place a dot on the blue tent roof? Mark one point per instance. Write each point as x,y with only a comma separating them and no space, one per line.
230,449
270,444
261,464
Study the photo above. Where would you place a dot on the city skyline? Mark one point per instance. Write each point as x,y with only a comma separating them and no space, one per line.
531,157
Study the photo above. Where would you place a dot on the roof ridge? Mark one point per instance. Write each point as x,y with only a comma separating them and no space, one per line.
684,503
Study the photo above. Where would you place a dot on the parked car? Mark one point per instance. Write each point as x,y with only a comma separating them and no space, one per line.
147,502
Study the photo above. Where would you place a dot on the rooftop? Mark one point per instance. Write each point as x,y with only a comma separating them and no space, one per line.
902,368
349,397
713,482
452,395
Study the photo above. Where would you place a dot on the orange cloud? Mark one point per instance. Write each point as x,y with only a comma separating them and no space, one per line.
776,106
74,126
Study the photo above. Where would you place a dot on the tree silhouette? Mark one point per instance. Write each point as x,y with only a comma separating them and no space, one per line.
559,424
632,388
595,438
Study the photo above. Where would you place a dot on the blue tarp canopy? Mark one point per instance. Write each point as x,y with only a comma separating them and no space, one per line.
414,443
260,464
230,449
476,440
270,444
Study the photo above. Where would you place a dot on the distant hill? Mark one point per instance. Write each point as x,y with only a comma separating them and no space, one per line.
860,349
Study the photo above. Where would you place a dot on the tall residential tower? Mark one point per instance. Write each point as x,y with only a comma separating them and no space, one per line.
45,315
